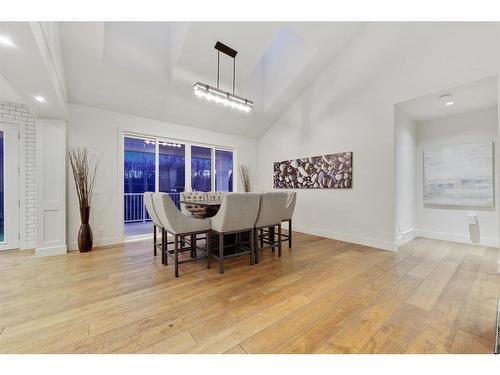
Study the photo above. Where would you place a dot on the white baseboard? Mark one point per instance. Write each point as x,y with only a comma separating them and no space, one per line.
366,241
73,246
28,245
455,237
405,237
50,251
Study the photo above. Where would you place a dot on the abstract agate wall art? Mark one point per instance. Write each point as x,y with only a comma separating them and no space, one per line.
459,176
332,171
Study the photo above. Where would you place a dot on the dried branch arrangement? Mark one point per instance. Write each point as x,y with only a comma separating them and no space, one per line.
245,177
84,165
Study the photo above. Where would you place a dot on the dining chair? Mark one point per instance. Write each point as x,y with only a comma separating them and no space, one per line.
237,214
190,209
271,210
287,216
215,195
148,203
179,225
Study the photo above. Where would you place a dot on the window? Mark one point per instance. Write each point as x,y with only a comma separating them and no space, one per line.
161,165
223,170
201,168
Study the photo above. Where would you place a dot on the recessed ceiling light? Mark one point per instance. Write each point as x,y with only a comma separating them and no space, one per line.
6,41
446,99
40,98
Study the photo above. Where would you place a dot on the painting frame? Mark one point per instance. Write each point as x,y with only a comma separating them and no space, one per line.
328,171
459,176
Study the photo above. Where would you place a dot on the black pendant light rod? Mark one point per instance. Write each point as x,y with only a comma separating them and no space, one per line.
221,47
218,67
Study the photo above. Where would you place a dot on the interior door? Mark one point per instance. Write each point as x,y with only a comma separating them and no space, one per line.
9,187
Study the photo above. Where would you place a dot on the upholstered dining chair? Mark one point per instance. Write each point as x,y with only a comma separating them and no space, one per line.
148,202
271,211
215,195
237,214
291,200
190,209
179,225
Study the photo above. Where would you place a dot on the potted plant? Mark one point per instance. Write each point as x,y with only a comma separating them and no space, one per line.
84,165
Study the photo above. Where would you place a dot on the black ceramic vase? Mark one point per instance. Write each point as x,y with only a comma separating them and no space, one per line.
85,240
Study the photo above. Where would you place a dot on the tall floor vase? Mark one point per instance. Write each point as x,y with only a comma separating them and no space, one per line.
85,239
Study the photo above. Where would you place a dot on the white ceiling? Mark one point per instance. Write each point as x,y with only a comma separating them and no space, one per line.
149,69
24,70
469,97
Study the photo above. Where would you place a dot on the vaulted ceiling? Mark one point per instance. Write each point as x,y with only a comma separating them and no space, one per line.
149,68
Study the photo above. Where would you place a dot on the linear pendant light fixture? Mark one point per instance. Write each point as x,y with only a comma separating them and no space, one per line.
217,95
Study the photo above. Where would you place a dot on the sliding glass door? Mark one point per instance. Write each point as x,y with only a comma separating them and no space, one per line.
139,176
201,168
9,187
154,164
223,170
172,169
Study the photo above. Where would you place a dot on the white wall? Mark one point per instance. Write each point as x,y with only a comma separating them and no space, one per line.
451,224
102,131
350,107
405,165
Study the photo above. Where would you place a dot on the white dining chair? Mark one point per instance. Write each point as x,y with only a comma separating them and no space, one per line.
179,225
291,200
237,214
271,211
148,203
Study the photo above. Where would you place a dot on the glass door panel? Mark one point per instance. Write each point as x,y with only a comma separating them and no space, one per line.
223,170
172,167
9,187
201,164
2,192
139,173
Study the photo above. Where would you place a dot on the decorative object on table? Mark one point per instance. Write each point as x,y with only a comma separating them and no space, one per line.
332,171
460,175
245,178
84,165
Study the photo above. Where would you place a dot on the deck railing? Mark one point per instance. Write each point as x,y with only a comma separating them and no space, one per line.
134,209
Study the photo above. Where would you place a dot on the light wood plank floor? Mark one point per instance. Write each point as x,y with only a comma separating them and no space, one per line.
322,296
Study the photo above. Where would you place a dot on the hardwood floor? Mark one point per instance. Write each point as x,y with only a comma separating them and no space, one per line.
323,296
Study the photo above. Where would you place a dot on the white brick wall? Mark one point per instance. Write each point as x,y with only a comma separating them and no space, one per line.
26,121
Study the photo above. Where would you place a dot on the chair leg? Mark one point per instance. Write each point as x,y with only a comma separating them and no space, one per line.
271,237
255,241
207,245
279,239
261,231
290,233
176,254
193,246
164,247
252,248
154,240
221,253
